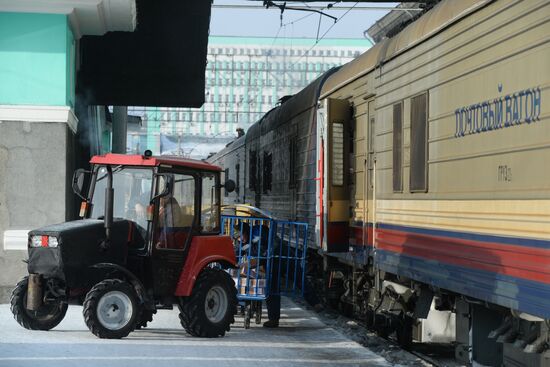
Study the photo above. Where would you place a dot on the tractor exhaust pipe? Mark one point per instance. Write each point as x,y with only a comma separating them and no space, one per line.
109,198
34,292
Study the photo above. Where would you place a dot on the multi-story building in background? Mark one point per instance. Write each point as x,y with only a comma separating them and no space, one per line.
245,78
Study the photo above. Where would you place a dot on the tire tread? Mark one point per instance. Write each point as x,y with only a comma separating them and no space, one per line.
16,306
191,317
89,311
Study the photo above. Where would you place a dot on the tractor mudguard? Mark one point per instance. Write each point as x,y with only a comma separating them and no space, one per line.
136,283
204,250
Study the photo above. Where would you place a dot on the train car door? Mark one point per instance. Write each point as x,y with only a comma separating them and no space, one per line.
368,226
337,183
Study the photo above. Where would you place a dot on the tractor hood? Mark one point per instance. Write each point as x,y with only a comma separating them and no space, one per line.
80,245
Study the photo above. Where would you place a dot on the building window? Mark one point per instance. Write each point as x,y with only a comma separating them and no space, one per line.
419,143
398,147
267,172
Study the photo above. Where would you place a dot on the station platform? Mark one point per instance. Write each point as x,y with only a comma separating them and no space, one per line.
301,340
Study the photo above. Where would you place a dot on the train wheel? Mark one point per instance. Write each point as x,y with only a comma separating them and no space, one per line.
346,309
403,333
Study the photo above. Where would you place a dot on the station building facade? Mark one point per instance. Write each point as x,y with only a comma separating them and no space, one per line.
38,123
245,77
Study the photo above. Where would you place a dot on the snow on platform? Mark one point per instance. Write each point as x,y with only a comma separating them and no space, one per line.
301,340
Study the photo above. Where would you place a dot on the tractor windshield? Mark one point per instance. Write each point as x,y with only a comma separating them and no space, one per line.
132,193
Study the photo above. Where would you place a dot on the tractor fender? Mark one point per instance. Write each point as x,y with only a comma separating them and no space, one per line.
136,283
204,250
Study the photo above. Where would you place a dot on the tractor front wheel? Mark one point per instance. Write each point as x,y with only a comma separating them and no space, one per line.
210,310
47,317
111,309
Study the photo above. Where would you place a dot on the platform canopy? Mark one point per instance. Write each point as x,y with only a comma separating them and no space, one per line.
161,63
86,17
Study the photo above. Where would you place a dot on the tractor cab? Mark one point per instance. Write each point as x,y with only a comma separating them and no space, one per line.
173,196
148,238
169,200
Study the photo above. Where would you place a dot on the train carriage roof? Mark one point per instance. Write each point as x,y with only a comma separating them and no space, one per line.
254,131
231,146
300,102
354,69
434,21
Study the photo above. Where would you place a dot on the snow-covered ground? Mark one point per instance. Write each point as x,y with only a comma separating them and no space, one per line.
302,340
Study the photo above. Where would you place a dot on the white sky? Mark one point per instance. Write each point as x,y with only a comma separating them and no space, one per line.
267,23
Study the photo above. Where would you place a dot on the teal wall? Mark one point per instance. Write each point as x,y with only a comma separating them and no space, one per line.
37,53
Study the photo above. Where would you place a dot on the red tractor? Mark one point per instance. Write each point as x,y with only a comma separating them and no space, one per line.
149,238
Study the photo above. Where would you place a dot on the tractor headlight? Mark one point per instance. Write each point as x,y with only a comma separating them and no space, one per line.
43,241
36,241
52,241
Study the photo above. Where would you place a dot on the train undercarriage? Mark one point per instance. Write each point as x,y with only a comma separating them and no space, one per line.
410,312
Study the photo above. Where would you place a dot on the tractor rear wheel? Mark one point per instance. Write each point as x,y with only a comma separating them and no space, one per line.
47,317
111,309
210,309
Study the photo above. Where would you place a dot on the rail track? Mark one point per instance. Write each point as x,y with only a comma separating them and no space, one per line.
420,354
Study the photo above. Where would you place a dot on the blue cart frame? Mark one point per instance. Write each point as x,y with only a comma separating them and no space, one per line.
272,262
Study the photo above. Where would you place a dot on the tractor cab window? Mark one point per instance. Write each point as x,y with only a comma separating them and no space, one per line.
176,213
210,203
132,193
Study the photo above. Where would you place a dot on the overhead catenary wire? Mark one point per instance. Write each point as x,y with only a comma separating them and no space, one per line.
365,8
323,36
298,20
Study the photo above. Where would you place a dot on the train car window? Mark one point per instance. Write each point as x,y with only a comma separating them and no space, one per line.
398,147
351,132
371,133
226,177
237,177
419,143
337,153
292,163
267,172
252,170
